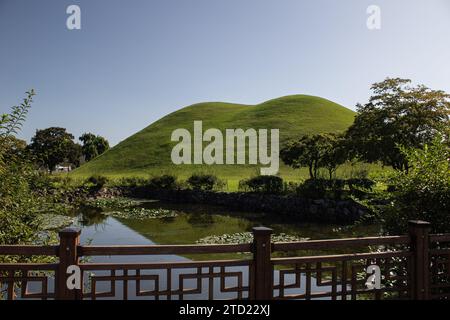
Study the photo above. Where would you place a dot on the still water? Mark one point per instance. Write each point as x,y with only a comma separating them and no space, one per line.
193,223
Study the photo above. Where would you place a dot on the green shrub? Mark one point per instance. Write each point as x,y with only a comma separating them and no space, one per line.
290,187
164,182
97,181
335,188
131,182
40,181
422,193
263,184
313,189
205,182
360,183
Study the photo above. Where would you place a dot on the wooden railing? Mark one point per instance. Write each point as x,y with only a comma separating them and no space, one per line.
414,266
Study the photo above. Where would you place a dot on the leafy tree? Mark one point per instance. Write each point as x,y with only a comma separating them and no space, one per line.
53,146
396,115
93,145
74,154
334,153
314,152
423,193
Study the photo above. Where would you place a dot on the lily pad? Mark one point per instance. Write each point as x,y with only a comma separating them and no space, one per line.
53,221
112,203
143,213
246,237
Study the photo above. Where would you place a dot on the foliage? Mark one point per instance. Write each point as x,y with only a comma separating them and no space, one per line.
205,182
423,193
20,201
47,221
315,151
143,213
398,115
312,189
334,153
164,182
112,203
10,124
95,183
264,184
130,182
93,145
246,237
334,188
53,146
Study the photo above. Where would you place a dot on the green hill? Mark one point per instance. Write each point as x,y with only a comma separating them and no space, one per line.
148,151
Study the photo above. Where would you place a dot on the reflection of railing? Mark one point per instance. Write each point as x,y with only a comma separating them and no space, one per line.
416,266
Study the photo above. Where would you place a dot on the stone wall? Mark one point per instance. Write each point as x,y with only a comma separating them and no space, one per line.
305,210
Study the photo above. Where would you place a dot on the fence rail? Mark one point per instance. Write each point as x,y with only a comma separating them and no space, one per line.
413,266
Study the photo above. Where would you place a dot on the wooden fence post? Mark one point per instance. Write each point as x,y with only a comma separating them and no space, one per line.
69,241
263,278
419,233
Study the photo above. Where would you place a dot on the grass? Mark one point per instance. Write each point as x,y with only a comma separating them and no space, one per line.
147,152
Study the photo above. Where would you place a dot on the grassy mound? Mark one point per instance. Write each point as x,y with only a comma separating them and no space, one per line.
148,151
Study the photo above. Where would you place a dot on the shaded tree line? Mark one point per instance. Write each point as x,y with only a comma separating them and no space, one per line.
53,146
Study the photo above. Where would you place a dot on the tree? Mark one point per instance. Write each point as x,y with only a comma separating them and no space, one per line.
334,153
314,152
396,115
53,146
423,193
93,145
74,154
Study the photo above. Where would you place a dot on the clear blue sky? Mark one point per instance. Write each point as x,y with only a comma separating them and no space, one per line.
138,60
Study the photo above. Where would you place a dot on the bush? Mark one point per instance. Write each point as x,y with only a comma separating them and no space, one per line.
423,193
334,188
204,182
360,183
164,182
131,182
263,184
40,181
97,181
313,188
360,187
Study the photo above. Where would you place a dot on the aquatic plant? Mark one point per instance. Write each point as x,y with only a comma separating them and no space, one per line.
246,237
53,221
143,213
112,203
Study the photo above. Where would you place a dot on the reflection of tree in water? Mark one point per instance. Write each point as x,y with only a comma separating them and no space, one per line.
200,219
92,217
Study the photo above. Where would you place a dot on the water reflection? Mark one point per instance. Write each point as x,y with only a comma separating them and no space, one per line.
193,223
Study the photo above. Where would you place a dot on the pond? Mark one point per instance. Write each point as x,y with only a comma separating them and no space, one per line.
191,224
194,222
